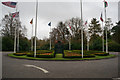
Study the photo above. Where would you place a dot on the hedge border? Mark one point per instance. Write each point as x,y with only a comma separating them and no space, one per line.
62,59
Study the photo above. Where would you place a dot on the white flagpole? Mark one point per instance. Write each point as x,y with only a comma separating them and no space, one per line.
17,32
15,36
87,41
106,29
18,41
103,36
32,38
69,42
81,29
50,37
15,41
36,28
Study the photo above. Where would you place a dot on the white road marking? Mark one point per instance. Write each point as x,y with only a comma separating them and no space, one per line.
45,71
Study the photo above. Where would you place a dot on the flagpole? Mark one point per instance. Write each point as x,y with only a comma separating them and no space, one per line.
69,42
81,29
106,29
15,41
87,41
18,41
32,39
50,37
36,28
17,34
103,36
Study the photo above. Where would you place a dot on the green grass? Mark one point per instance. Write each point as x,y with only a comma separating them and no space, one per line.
58,57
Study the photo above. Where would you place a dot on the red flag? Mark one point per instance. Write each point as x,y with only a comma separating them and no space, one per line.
16,14
10,4
69,25
101,17
31,22
85,22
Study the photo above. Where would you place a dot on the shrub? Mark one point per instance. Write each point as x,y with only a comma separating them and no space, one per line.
7,44
19,54
76,54
30,54
102,54
113,46
42,54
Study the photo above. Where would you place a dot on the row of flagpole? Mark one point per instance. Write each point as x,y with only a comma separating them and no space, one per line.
16,37
69,35
10,4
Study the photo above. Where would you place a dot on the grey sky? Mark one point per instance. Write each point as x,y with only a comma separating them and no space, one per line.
59,10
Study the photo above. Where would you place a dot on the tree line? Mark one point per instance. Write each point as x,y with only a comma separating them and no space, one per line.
67,32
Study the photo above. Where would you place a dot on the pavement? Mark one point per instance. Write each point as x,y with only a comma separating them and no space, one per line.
22,68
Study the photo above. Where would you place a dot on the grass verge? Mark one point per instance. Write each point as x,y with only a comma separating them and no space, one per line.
62,59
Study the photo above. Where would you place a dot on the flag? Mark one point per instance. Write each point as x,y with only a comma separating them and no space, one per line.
105,4
85,22
101,17
31,22
16,14
69,25
10,4
49,24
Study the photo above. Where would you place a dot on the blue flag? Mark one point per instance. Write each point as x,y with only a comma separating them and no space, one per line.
49,24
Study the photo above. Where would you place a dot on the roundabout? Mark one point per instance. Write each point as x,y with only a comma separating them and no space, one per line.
68,55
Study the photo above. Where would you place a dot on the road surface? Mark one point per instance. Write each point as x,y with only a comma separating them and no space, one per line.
21,68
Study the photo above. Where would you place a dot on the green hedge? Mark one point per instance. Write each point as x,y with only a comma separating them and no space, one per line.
40,54
19,54
85,56
102,54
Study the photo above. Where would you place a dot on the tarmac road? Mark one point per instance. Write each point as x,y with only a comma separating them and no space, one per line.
21,68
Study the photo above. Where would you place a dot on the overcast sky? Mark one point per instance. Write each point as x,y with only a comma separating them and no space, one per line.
59,10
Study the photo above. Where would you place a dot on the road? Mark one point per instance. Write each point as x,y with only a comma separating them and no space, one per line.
21,68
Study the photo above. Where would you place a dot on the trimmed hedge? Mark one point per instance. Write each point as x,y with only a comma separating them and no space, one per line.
42,54
85,56
76,54
67,54
19,54
101,54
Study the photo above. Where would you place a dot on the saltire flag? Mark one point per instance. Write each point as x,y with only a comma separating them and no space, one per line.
10,4
31,22
105,4
49,24
16,14
101,17
85,22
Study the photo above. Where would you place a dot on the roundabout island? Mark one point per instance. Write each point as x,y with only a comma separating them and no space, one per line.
67,55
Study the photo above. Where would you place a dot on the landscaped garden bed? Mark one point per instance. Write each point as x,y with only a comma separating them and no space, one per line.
68,55
76,54
42,54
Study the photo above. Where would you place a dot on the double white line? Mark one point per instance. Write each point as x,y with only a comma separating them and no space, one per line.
45,71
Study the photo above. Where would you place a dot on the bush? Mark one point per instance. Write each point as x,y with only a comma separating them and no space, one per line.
24,44
44,51
7,44
19,54
76,54
113,46
42,54
96,43
101,54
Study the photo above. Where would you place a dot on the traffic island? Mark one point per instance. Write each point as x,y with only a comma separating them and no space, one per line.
72,56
